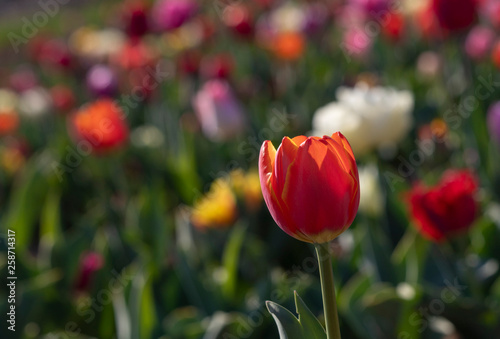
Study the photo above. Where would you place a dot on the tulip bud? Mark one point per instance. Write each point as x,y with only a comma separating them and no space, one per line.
310,185
218,111
100,124
448,208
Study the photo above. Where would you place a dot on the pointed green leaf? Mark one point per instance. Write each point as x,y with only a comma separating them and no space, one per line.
308,321
288,325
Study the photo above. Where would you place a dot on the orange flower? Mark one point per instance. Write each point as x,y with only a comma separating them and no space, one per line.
289,46
310,185
100,123
9,121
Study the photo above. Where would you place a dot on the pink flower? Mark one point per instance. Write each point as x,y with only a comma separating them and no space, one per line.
356,42
170,14
478,42
220,115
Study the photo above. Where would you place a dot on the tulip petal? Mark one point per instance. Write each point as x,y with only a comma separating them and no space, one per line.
273,201
299,139
314,179
285,156
267,158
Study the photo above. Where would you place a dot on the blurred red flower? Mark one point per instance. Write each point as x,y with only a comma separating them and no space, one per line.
310,185
446,209
135,18
394,26
62,97
218,66
239,18
455,15
90,263
101,124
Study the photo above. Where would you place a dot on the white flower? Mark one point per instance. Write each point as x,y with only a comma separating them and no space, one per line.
371,200
376,117
288,18
337,117
35,102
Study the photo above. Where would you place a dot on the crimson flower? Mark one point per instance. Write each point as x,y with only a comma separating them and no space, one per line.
310,185
448,208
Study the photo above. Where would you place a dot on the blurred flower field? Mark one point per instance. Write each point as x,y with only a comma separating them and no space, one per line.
130,135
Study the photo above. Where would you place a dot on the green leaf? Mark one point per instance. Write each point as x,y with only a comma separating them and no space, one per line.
410,256
291,327
24,205
288,325
310,324
350,303
231,258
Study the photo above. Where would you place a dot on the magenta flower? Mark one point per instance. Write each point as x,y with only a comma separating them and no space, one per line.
479,42
90,263
170,14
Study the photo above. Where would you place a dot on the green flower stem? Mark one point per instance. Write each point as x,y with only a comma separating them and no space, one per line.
328,291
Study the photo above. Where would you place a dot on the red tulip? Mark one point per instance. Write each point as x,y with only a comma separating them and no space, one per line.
310,185
447,208
455,15
101,124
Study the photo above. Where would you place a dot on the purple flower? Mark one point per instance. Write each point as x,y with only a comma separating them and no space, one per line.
101,81
478,42
315,18
170,14
220,115
371,8
494,121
